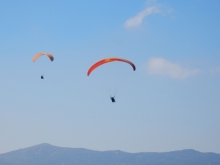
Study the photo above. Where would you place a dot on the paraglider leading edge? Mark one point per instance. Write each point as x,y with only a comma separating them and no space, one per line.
101,62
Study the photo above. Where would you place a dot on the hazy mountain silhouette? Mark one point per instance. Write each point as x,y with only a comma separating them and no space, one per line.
46,154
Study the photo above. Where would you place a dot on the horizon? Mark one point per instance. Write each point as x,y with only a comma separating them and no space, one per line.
47,144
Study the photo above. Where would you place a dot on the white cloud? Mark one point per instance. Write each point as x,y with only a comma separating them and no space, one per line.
153,8
160,66
138,19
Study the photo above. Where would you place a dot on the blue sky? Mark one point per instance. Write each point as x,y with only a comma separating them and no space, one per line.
171,102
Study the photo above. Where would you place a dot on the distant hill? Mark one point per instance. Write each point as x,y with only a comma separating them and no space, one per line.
46,154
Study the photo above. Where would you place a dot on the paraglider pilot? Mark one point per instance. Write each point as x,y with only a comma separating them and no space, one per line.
42,77
113,99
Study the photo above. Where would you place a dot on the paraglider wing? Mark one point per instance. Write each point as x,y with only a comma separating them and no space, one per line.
43,54
109,60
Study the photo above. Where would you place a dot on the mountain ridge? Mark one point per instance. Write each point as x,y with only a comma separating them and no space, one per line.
47,154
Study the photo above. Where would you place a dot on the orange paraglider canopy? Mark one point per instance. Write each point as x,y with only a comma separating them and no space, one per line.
106,60
43,54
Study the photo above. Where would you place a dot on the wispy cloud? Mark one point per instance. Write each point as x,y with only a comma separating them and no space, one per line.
138,19
153,8
160,66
